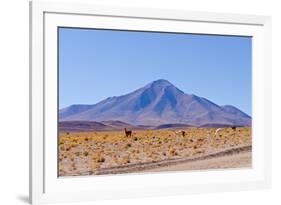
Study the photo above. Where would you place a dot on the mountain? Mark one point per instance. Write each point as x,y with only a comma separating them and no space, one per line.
119,125
157,103
172,126
92,126
82,126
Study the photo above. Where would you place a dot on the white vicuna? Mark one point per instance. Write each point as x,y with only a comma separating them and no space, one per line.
217,130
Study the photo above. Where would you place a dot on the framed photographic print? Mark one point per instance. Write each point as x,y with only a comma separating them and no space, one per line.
129,102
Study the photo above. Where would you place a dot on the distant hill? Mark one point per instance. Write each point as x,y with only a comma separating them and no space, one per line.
82,126
172,126
219,125
92,126
156,104
118,125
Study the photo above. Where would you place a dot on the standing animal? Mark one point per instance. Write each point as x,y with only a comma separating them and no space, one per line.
182,132
128,133
217,130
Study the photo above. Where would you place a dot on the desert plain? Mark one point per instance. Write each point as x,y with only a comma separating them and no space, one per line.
112,152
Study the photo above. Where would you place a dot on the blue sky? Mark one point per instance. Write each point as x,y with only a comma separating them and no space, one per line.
96,64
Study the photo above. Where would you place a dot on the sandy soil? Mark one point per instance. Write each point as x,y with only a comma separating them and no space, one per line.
238,157
238,160
98,153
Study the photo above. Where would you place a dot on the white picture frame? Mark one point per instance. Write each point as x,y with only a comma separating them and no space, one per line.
46,187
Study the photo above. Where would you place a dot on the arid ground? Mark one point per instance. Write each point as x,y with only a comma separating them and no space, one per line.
97,153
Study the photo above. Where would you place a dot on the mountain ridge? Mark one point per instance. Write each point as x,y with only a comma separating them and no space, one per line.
157,103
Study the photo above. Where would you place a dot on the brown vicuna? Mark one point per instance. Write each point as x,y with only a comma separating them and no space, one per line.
182,132
128,133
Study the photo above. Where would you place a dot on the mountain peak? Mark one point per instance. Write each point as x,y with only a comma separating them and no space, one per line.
161,82
162,87
159,102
